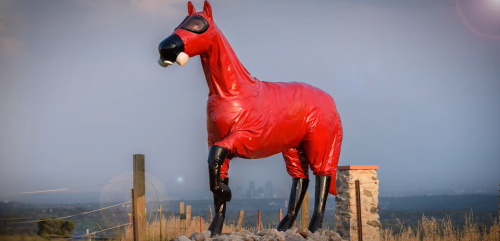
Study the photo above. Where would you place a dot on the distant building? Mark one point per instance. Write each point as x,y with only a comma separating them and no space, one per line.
268,189
260,193
251,189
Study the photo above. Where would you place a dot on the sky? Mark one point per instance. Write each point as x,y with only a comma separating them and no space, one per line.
416,85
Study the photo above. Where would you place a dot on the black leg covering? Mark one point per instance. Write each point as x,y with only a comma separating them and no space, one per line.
321,194
299,188
216,158
220,213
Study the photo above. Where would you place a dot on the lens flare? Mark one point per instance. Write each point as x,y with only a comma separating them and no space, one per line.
469,26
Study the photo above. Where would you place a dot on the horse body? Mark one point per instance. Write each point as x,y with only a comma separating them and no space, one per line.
277,118
250,119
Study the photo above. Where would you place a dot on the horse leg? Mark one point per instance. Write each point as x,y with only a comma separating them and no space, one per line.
220,212
298,168
322,149
219,156
218,165
216,158
320,196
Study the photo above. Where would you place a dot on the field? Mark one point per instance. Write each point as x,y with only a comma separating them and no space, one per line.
427,230
413,218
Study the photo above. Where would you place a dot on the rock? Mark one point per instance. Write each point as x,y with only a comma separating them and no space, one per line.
181,238
218,238
270,234
233,238
281,237
304,232
318,238
319,235
251,238
301,234
197,236
367,193
335,237
329,233
295,238
290,233
243,233
374,223
267,232
207,234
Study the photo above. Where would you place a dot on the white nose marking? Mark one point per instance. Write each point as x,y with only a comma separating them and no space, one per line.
182,59
165,63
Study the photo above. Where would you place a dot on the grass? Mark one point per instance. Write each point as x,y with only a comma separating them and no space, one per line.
170,229
26,237
428,229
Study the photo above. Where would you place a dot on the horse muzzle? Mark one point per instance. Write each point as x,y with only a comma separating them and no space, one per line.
171,50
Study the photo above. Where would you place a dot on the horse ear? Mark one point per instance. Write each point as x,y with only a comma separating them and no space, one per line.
207,9
191,9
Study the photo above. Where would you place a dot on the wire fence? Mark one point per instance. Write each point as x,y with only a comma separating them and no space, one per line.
254,216
69,188
104,230
84,213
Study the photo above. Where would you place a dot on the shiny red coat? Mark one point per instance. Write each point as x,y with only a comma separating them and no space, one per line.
257,119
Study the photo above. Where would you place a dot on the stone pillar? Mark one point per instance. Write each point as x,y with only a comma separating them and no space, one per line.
345,203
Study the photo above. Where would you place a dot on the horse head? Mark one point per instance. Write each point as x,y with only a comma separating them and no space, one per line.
192,37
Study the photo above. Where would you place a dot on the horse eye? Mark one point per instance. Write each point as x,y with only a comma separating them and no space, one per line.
196,24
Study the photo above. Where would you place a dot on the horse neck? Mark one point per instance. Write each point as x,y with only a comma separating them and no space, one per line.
226,76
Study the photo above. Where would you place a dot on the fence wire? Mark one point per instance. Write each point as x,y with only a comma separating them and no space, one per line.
104,230
69,188
84,213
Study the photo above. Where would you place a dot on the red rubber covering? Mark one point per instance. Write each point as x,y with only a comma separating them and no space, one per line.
257,119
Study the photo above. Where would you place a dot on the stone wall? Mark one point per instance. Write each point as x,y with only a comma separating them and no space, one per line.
345,210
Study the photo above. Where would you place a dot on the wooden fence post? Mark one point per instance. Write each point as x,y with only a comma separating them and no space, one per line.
210,214
201,224
182,217
188,219
161,236
130,217
258,222
358,211
240,220
304,212
139,198
133,215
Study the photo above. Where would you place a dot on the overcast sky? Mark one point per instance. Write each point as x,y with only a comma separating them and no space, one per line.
418,90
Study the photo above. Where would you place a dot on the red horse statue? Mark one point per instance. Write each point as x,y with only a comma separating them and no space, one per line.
249,118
